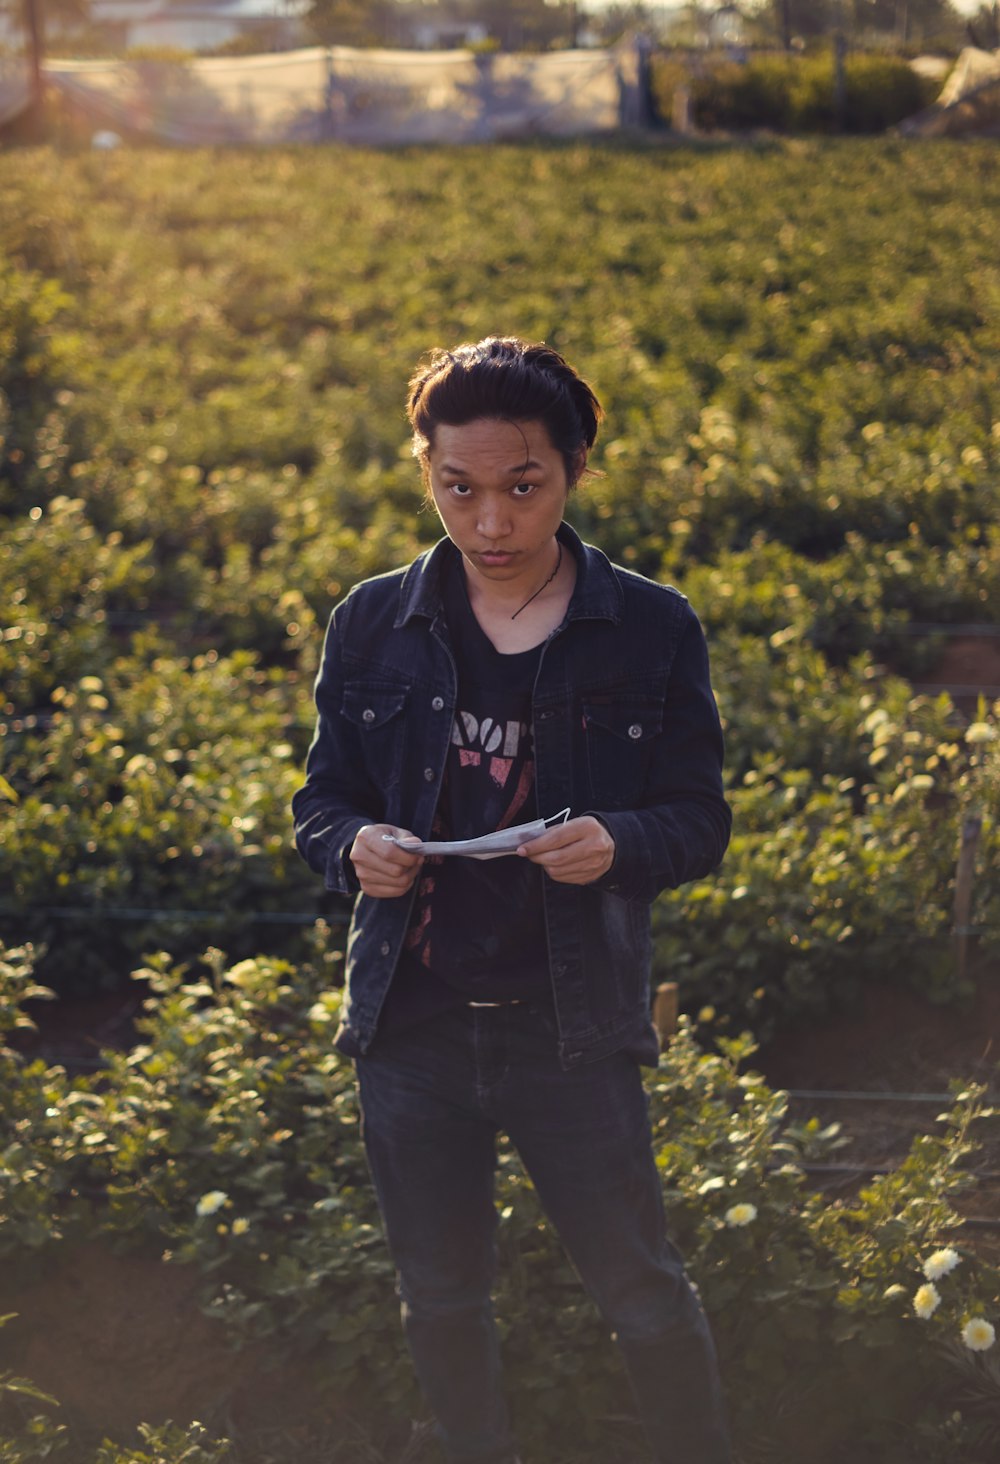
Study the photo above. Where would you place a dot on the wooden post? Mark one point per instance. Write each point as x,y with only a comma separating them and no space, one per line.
665,1011
839,79
972,825
680,119
35,28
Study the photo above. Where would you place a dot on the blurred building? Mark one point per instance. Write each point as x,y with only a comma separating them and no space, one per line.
198,25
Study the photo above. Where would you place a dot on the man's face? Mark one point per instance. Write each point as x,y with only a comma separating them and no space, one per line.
500,488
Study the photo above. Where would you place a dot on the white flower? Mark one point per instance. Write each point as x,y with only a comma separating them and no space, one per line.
926,1301
891,1293
940,1263
715,1183
980,732
214,1200
978,1334
741,1214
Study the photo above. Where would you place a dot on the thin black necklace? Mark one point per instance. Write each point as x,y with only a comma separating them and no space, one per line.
541,587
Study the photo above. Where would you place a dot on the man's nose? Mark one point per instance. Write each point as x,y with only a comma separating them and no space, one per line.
494,520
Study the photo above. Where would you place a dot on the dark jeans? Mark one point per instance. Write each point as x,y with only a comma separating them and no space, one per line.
432,1101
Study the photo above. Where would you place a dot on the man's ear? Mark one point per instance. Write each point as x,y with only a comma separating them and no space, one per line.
579,464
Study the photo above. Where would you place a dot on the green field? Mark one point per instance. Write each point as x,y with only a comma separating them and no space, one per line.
203,361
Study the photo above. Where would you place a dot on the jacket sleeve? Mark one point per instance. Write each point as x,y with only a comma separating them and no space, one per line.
681,830
337,798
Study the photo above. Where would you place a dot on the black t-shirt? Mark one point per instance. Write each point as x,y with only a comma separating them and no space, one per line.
477,931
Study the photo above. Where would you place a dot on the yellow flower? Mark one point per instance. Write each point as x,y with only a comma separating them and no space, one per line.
978,1334
741,1214
926,1301
241,1226
941,1263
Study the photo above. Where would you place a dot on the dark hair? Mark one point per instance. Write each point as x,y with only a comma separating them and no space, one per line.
506,378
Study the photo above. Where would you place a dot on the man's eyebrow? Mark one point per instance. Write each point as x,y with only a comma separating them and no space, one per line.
522,467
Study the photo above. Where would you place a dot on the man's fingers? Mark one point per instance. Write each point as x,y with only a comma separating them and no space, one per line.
384,870
576,852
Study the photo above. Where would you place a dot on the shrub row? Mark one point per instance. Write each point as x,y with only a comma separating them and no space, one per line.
792,93
229,1136
203,447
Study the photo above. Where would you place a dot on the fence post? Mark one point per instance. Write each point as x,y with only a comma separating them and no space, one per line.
968,846
665,1008
34,24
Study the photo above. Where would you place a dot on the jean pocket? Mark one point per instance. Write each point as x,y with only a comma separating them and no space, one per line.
377,711
621,734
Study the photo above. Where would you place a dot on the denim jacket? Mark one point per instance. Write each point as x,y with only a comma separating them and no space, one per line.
625,728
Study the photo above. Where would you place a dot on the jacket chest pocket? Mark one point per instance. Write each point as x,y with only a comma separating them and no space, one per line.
621,737
377,714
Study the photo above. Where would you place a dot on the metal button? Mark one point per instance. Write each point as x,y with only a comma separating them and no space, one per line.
385,948
429,774
367,715
438,703
635,731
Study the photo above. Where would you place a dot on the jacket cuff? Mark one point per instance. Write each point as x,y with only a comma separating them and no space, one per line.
630,873
340,874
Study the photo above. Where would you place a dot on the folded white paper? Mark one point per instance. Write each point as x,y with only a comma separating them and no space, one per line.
487,846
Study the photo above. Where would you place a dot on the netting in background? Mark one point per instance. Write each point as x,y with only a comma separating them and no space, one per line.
969,102
15,66
342,94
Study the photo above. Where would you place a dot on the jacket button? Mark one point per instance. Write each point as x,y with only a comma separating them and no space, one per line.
429,774
385,948
367,715
438,703
635,731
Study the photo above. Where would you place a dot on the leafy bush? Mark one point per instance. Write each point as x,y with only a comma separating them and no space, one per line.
144,791
832,882
230,1135
794,94
796,346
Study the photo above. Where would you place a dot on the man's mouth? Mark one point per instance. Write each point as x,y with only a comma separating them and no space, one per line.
495,556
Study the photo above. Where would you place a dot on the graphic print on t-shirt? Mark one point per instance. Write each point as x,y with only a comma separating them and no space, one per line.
501,744
477,929
488,784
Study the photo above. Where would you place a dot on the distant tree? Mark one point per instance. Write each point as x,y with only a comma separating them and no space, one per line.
689,26
525,25
614,21
906,19
54,15
354,22
983,28
785,21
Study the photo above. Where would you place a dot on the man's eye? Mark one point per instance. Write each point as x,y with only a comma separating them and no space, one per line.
521,490
460,490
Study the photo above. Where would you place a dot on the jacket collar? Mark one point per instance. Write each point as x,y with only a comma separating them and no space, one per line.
597,594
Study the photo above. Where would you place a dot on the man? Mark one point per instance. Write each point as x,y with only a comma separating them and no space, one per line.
510,675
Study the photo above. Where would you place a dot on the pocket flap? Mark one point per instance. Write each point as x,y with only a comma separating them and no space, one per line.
635,720
369,707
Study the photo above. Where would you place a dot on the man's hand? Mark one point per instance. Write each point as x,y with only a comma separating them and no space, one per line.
577,852
384,870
